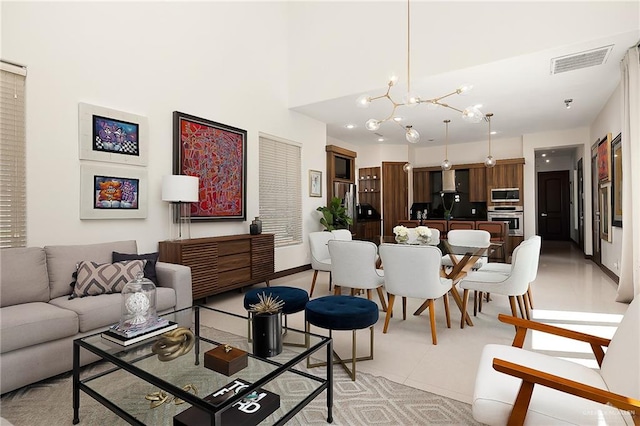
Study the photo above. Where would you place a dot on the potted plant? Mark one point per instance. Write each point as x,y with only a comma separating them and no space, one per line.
335,216
266,325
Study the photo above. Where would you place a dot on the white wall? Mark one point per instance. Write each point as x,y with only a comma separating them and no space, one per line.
223,61
610,121
465,153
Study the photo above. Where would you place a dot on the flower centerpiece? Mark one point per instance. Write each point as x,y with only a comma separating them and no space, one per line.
424,234
401,233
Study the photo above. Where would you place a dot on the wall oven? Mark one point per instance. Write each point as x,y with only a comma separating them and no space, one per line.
514,215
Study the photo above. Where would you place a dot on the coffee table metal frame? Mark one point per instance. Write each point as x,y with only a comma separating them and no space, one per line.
194,400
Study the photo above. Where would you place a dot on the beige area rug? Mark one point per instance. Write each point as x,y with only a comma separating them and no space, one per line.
370,400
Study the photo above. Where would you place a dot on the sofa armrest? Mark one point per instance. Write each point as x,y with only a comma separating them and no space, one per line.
177,277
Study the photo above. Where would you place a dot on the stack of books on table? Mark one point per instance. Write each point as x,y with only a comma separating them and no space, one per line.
136,333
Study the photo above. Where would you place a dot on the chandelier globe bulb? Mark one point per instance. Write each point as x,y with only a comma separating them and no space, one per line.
472,114
363,101
412,135
372,124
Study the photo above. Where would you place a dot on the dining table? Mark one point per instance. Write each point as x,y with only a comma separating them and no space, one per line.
463,258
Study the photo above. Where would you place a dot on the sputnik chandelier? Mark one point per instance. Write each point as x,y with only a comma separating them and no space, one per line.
470,114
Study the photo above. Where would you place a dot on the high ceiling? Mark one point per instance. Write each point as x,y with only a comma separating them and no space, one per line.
520,90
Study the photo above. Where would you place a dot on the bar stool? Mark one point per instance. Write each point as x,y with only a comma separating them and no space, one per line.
342,313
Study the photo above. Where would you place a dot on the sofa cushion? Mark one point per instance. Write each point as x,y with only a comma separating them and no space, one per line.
62,261
149,267
30,324
104,310
23,274
103,278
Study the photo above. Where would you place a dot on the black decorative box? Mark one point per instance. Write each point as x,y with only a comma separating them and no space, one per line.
246,412
227,363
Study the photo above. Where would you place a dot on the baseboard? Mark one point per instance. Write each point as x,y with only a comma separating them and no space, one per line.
290,271
608,272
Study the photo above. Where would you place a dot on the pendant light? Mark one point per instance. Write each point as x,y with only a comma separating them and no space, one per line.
489,161
446,164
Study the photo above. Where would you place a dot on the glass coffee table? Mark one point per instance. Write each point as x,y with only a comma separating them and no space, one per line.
134,379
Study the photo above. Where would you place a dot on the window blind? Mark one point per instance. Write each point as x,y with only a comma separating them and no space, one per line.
281,190
13,199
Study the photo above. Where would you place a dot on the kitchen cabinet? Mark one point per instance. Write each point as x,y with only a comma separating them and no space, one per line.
219,264
369,187
421,185
477,185
506,174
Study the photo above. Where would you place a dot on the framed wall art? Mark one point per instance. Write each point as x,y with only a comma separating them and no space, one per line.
315,183
605,211
604,159
112,192
217,154
616,180
113,136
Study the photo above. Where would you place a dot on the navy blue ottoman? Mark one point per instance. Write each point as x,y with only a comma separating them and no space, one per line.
295,300
343,313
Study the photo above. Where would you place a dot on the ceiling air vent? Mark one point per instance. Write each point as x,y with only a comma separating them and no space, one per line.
576,61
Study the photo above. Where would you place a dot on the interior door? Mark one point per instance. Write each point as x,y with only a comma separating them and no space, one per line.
554,205
595,207
580,206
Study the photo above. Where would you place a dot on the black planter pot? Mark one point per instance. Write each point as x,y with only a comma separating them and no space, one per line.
267,335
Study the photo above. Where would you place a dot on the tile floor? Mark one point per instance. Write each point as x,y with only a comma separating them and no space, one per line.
568,290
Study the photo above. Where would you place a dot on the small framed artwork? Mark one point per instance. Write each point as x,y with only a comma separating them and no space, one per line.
112,192
315,183
604,159
616,180
217,154
605,211
112,136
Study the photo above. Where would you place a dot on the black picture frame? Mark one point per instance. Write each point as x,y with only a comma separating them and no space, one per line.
217,154
616,181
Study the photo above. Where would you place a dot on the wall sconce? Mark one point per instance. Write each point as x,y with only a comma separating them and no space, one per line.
180,191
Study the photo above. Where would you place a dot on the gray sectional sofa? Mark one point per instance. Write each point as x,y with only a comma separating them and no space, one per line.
38,322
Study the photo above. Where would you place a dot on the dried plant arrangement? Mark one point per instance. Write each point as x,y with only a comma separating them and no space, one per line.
267,304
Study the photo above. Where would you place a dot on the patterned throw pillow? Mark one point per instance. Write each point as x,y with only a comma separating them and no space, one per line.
95,278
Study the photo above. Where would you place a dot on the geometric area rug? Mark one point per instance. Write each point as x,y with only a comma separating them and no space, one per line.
370,400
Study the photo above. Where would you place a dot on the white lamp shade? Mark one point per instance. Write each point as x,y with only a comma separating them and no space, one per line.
180,188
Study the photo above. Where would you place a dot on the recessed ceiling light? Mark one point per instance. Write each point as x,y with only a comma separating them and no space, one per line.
493,132
398,118
547,160
350,126
544,155
380,139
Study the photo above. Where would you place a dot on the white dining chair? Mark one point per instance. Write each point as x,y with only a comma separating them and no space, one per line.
320,258
515,386
353,265
512,285
414,271
505,268
474,238
342,234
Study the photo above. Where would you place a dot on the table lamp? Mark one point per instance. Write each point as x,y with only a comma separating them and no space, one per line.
179,191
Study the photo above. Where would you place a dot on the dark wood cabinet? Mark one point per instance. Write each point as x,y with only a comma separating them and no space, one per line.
395,185
506,174
368,230
421,185
219,264
369,186
341,169
477,185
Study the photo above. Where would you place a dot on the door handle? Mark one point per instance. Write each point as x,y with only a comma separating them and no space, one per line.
543,214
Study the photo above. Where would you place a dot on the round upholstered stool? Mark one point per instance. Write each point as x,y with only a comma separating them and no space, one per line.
343,313
295,299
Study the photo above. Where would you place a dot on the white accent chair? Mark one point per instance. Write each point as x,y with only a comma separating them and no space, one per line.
320,258
353,265
505,268
512,285
342,234
467,238
414,271
515,386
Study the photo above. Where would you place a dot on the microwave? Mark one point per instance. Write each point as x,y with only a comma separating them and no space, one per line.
505,195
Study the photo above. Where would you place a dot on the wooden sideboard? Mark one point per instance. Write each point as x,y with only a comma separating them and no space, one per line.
220,264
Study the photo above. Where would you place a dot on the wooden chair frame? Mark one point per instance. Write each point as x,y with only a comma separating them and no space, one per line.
531,377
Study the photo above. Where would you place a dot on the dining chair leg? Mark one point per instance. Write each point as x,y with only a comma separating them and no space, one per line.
512,302
330,281
313,282
353,291
368,294
521,307
392,299
527,310
404,308
383,302
465,298
337,290
475,303
445,298
432,320
530,297
422,308
480,301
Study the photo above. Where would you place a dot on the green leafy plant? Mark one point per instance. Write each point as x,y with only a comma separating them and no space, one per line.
267,304
334,216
